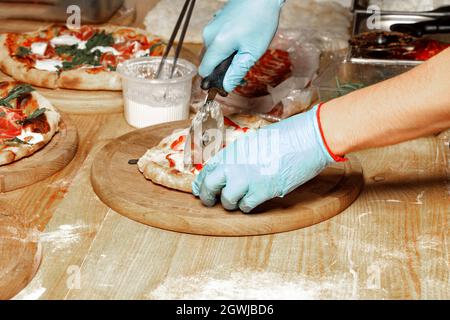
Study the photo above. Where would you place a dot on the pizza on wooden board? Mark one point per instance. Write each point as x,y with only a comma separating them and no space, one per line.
84,59
28,121
164,163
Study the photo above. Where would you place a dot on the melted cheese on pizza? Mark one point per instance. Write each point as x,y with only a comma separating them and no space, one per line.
39,48
30,137
51,65
68,40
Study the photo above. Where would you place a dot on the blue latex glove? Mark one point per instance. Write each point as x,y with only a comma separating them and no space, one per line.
246,26
265,164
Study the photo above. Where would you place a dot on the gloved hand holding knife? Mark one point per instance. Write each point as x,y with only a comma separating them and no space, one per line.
299,152
383,114
243,26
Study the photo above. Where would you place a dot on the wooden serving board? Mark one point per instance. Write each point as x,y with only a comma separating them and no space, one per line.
80,102
20,257
52,158
124,189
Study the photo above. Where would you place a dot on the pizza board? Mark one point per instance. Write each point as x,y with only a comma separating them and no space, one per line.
49,160
79,101
124,189
20,254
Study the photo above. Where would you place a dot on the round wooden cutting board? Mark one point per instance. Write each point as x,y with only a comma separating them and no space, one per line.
80,102
52,158
123,188
20,254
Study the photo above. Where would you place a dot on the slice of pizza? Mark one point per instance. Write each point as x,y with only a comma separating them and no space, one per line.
27,121
84,59
164,163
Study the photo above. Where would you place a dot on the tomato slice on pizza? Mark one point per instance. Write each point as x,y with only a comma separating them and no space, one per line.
27,121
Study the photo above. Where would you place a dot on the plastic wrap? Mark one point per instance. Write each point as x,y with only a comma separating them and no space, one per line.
291,92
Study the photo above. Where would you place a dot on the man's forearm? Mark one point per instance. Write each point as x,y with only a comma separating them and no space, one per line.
412,105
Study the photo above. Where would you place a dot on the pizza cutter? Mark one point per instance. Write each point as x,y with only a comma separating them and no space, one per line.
206,134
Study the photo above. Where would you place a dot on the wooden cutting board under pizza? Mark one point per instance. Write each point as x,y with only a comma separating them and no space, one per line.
164,199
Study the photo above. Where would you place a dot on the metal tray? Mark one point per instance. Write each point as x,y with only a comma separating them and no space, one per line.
387,19
326,85
360,24
92,11
362,6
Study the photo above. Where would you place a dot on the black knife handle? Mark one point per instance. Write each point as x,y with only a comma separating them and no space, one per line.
215,79
430,29
419,29
444,9
441,25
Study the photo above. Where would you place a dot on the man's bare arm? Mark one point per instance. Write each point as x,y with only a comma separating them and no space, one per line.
412,105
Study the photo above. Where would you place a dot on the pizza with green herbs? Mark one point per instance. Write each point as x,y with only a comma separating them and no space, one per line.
28,121
84,59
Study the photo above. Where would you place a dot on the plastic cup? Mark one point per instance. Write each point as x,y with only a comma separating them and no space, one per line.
149,101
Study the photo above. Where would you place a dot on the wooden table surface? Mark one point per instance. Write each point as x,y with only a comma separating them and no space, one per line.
392,243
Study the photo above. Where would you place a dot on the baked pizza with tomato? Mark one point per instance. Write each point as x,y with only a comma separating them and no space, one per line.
28,121
164,163
84,59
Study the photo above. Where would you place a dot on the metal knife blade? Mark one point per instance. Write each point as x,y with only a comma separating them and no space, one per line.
205,137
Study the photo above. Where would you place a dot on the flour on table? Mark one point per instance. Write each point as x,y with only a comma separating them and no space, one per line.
252,285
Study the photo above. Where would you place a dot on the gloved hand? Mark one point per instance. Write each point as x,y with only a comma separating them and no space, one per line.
265,164
246,26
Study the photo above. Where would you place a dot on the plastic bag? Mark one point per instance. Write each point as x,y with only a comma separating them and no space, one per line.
279,96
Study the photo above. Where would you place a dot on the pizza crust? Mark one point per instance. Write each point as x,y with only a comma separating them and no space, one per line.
9,154
80,79
21,72
163,175
12,154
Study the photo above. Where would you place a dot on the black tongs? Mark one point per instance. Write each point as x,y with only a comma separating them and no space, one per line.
185,14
